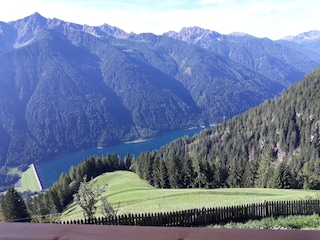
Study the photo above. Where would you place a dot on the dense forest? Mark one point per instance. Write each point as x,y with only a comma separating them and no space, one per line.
276,144
65,87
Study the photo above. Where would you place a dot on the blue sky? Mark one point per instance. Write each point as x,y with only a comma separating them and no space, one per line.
262,18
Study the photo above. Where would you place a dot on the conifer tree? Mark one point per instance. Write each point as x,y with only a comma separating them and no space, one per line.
13,207
127,161
187,172
282,177
163,181
221,174
174,171
156,172
200,178
308,178
235,174
249,175
265,170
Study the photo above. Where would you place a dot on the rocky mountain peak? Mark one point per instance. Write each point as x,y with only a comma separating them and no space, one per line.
28,27
33,21
193,34
105,30
304,37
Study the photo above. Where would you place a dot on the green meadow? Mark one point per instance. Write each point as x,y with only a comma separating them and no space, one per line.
129,194
28,181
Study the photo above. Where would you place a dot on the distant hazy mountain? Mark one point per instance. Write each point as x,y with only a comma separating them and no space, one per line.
262,55
306,38
307,43
66,87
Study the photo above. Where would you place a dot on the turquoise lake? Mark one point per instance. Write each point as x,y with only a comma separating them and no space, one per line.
49,172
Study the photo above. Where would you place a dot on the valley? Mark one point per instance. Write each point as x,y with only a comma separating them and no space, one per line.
49,172
66,87
80,102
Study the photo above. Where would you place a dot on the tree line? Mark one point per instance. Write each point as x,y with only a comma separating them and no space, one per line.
46,206
276,144
190,172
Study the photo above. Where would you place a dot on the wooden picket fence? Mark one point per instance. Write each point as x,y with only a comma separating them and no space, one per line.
207,216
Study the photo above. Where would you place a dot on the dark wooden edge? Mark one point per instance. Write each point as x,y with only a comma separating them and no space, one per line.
35,231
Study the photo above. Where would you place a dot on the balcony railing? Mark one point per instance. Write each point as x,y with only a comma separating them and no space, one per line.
36,231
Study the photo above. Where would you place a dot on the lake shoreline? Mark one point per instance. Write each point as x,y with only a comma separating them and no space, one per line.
50,171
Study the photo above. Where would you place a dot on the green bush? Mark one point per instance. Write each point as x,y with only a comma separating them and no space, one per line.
290,222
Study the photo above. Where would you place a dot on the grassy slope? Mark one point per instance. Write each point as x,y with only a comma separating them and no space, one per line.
28,181
133,195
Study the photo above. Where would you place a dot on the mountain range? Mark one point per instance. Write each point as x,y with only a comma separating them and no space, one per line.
276,144
66,87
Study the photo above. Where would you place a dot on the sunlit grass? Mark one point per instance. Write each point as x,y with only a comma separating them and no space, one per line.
129,194
28,181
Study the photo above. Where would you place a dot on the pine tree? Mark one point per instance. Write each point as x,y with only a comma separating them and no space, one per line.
73,173
51,205
13,207
235,174
187,172
174,171
308,177
127,161
38,207
221,174
249,175
200,179
163,181
63,189
156,172
282,177
265,170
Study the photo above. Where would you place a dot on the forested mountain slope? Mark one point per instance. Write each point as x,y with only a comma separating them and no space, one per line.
307,43
276,144
276,61
66,87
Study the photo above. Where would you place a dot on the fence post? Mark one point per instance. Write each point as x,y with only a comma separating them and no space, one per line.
204,216
267,209
129,220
